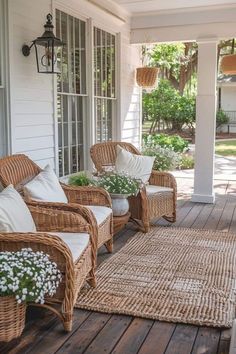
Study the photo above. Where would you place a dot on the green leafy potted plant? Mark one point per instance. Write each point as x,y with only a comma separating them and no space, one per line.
25,276
81,179
120,187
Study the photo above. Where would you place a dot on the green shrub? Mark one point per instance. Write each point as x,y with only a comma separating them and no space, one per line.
221,118
80,179
166,159
166,105
186,162
174,142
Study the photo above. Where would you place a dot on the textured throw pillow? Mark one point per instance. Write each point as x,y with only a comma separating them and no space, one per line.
46,187
136,166
14,213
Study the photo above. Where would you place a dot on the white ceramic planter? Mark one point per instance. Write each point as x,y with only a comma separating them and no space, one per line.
120,204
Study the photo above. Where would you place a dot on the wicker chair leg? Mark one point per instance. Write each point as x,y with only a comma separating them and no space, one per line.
67,322
109,246
144,227
92,279
170,218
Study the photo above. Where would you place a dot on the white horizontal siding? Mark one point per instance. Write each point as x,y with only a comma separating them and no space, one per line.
130,95
39,131
33,120
33,144
32,107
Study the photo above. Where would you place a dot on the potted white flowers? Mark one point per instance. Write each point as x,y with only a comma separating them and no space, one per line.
25,276
120,188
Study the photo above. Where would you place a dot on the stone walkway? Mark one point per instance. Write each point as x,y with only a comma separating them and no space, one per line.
225,169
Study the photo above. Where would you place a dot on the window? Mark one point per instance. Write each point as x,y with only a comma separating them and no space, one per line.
81,103
3,70
71,93
104,83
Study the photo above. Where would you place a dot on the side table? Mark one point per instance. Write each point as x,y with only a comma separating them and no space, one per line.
119,222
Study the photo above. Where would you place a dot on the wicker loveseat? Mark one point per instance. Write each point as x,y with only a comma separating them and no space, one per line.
155,200
59,234
19,169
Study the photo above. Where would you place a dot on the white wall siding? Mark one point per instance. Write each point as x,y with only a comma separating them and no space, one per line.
130,94
228,98
32,120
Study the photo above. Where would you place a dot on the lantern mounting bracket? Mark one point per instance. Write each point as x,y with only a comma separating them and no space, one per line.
26,49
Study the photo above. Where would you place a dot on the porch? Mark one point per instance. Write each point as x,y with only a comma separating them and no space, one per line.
56,122
104,333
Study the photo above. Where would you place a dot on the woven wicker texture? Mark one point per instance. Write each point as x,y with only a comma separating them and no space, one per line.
12,318
143,208
19,169
146,76
169,274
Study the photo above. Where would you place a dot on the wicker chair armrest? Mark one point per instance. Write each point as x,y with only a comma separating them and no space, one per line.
163,179
53,218
60,217
88,195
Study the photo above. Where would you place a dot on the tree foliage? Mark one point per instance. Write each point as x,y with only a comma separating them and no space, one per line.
165,104
178,62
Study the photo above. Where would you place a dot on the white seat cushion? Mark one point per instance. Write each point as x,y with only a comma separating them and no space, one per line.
46,187
14,213
77,242
136,166
100,212
151,189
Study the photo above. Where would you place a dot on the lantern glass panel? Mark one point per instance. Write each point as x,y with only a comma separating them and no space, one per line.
46,54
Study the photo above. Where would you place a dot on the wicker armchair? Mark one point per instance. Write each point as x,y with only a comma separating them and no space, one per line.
151,202
75,271
19,169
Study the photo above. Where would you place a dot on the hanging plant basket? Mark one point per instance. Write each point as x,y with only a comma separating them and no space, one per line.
12,318
146,76
228,64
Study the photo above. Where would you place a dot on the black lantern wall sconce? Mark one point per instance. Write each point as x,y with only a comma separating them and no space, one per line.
46,48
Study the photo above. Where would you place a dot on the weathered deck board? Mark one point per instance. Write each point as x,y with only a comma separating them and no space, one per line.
96,333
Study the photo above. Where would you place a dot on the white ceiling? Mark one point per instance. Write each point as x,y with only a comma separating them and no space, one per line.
140,6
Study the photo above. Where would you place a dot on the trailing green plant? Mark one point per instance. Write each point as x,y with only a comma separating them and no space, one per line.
166,159
186,162
221,118
174,142
119,184
28,275
80,179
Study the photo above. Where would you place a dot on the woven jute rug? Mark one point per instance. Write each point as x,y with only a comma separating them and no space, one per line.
169,274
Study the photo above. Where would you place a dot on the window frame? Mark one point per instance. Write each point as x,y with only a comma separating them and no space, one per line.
90,127
112,100
85,95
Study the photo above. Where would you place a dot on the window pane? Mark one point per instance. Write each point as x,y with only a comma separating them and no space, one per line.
71,107
104,83
65,59
104,109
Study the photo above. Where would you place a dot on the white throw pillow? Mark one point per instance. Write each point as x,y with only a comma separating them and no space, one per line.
46,187
136,166
14,213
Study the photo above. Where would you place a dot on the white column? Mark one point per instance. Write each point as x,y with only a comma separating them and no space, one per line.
205,122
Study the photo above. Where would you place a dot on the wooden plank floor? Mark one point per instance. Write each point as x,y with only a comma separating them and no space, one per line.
95,333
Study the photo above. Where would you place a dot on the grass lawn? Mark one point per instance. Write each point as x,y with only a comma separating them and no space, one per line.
226,148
